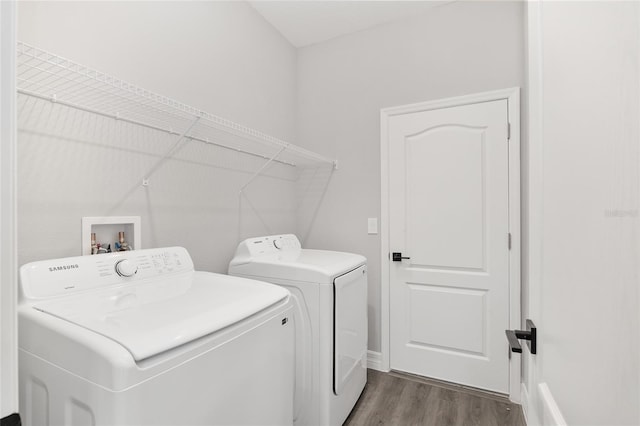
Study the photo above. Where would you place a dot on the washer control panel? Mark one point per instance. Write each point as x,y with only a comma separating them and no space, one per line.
61,276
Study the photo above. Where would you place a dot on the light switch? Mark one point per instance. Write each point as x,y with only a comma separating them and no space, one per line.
372,225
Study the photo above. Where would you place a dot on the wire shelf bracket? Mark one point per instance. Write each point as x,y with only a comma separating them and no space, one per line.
168,154
264,166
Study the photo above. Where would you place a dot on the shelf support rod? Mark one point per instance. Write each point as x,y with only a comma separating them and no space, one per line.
169,152
264,166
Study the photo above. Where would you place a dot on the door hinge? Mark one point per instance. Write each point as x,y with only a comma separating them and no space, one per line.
509,240
508,131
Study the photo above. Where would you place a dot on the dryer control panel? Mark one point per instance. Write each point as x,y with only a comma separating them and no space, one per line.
266,246
50,278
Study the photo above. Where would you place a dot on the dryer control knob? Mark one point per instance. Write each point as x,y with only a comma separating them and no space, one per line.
278,244
126,268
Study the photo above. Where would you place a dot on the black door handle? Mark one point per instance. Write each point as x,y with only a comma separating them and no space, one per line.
397,257
530,335
514,344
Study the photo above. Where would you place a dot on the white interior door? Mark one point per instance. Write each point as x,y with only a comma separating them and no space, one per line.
449,215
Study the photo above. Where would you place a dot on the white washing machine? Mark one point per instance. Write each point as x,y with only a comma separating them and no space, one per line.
140,338
330,293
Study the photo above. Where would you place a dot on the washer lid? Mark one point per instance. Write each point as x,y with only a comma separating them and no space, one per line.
153,316
319,266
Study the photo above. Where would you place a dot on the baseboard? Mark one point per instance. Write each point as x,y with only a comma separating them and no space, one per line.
374,360
551,414
544,411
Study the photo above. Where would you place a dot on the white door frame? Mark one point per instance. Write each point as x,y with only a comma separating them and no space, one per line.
538,404
512,96
530,397
8,257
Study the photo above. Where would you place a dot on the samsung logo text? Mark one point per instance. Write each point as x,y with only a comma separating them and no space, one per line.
62,268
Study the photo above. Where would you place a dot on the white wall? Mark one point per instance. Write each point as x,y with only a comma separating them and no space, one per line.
456,49
221,57
588,203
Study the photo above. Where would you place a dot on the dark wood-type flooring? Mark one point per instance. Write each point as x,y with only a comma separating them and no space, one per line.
402,399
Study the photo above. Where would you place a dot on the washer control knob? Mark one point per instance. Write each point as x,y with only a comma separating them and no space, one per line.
278,244
126,268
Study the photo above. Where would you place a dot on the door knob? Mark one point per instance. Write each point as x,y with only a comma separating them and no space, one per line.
397,257
530,335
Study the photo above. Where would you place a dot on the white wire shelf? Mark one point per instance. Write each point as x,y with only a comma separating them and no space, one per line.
47,76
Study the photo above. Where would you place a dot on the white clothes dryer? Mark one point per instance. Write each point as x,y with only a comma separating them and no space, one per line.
140,338
330,293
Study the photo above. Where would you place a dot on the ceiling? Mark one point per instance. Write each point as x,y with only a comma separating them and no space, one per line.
305,22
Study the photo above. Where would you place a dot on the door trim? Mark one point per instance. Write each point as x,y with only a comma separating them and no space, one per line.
8,213
533,379
512,96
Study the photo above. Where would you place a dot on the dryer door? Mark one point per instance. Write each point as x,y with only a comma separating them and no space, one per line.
350,327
